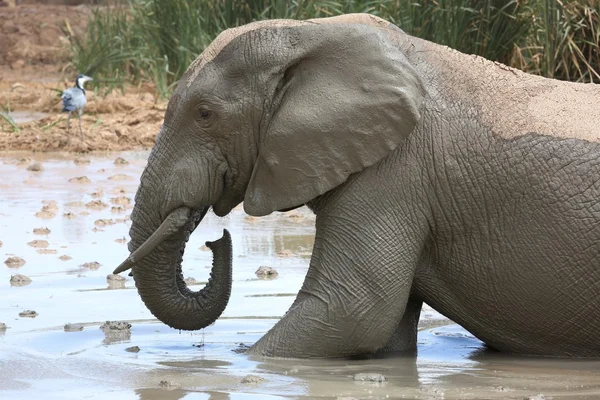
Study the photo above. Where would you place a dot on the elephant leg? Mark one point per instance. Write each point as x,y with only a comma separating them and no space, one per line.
405,336
355,292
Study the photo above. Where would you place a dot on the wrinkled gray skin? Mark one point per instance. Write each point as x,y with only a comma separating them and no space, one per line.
435,177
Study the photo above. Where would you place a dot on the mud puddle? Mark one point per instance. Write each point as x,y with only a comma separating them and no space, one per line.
64,224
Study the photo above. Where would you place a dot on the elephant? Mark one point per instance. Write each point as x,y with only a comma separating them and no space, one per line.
435,177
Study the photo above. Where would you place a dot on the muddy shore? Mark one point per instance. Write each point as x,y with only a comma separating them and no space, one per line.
34,69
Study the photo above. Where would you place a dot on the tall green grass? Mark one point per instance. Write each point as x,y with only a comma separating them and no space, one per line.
156,40
566,43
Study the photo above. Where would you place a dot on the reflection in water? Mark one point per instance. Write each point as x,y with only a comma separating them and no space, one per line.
116,336
274,243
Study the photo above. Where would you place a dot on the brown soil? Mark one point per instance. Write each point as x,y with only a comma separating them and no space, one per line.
34,69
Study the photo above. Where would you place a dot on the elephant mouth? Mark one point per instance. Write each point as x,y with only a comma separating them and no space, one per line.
181,220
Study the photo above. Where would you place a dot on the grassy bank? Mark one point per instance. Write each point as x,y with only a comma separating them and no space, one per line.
156,40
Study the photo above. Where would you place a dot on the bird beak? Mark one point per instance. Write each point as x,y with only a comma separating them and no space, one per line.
87,78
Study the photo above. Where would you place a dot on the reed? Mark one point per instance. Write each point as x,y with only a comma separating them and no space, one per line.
156,40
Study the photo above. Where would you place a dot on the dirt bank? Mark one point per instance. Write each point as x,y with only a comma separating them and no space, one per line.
34,69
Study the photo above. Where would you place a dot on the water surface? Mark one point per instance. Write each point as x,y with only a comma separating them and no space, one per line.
38,359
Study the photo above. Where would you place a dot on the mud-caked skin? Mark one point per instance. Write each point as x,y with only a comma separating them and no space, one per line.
435,177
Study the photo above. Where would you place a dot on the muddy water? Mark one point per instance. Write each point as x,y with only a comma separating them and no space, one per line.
68,268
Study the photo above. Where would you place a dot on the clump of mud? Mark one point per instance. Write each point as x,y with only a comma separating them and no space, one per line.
168,385
121,240
80,179
117,209
115,278
204,248
121,200
3,327
97,194
46,251
19,280
264,272
28,314
41,231
35,167
252,379
69,215
104,222
133,349
190,281
0,243
48,210
91,265
14,262
369,377
96,205
121,161
65,257
73,327
39,244
250,218
115,326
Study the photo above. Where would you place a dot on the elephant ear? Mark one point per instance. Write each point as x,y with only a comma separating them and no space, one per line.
344,99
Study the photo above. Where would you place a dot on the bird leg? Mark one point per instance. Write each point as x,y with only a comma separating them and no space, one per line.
80,131
68,122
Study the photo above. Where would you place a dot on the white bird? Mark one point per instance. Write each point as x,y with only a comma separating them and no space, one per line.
74,99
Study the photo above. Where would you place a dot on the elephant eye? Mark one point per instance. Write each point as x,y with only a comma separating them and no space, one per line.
204,114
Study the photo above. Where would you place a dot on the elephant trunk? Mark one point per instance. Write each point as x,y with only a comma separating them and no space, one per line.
158,275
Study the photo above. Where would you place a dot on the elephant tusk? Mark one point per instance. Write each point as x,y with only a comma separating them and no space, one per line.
174,221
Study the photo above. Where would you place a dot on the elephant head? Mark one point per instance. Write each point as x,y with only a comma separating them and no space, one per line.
272,114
